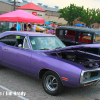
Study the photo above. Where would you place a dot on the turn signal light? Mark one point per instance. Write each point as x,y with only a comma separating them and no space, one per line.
65,79
86,84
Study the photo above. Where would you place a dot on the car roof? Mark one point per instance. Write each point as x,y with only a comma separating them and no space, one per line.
80,29
24,33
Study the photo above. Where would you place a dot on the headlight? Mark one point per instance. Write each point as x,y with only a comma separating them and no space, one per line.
86,75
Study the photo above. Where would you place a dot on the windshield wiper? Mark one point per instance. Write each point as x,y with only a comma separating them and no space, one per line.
44,49
58,47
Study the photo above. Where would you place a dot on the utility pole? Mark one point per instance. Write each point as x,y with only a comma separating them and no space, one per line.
14,5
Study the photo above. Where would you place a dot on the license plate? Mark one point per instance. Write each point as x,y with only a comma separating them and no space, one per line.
98,83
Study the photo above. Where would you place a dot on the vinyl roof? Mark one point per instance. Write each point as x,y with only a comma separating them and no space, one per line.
80,29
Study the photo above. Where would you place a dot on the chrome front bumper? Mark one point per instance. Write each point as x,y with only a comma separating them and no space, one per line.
92,80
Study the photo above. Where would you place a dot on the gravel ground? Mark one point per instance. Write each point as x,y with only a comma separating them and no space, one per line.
11,80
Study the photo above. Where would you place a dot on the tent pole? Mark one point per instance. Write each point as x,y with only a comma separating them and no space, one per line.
17,26
21,27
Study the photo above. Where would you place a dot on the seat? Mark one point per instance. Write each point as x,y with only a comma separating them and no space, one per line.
18,41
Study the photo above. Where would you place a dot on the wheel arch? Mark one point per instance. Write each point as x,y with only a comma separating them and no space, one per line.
43,70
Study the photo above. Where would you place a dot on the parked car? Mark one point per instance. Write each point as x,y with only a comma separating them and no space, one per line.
47,27
40,29
78,35
45,57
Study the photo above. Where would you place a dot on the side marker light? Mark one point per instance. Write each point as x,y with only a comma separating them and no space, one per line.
65,79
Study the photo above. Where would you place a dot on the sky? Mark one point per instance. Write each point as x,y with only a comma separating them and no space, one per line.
64,3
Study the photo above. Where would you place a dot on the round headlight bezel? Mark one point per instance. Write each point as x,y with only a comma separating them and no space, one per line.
86,75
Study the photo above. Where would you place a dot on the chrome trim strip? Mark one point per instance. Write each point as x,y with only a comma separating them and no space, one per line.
96,82
92,70
92,80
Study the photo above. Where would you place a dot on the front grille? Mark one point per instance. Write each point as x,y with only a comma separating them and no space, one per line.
93,74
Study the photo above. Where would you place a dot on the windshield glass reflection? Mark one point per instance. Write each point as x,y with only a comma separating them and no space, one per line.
46,43
97,37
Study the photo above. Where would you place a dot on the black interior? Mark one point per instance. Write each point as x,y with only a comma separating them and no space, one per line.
13,42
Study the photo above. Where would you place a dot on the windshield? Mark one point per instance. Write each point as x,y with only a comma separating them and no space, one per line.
97,37
45,43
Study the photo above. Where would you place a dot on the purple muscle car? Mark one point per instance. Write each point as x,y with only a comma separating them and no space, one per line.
45,57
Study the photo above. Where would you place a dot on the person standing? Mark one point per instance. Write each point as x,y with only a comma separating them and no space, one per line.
29,27
54,31
50,31
25,27
34,27
46,31
13,28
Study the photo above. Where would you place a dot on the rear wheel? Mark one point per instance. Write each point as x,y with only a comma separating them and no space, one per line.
52,83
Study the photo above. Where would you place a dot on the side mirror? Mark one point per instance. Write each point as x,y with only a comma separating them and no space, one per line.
20,45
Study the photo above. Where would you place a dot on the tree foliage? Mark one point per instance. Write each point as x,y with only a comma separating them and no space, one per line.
70,13
88,16
98,15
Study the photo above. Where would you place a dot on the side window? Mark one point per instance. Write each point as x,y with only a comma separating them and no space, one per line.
25,44
65,32
85,37
9,40
60,34
9,37
69,35
13,40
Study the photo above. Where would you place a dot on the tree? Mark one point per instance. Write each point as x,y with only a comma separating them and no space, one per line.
70,13
98,15
88,16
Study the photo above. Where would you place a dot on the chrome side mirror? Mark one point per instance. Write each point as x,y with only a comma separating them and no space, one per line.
20,45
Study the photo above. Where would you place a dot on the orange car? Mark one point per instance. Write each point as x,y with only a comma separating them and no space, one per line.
40,29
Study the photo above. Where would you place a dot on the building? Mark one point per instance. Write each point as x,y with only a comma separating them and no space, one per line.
8,5
48,14
52,14
44,12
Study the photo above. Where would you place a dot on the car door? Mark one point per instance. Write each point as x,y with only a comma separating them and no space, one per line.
17,58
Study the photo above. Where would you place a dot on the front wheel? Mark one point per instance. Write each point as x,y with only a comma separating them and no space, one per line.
52,83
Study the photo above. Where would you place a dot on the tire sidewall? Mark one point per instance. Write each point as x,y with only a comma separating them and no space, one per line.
59,88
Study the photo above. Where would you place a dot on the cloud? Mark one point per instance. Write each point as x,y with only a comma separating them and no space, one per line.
64,3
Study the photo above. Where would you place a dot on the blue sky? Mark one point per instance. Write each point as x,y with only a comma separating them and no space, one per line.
63,3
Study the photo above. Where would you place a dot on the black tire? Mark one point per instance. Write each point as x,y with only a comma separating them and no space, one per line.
2,66
52,83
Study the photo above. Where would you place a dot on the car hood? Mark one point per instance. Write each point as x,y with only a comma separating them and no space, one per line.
74,56
76,47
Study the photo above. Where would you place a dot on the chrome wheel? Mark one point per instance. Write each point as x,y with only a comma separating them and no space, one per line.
51,83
